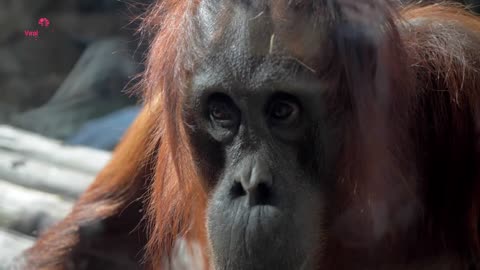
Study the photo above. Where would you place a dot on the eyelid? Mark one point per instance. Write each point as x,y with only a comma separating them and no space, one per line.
292,118
285,102
215,98
282,98
226,103
222,106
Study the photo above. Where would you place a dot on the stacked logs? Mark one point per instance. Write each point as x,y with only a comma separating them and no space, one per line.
39,180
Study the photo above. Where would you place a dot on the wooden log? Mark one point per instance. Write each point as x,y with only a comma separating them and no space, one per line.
35,146
11,246
36,174
29,211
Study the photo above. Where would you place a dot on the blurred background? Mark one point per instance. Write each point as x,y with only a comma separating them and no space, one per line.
65,70
64,66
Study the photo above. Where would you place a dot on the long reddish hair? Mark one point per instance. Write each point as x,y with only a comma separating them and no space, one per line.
380,161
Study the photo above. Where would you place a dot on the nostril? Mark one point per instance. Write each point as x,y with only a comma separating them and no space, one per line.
237,190
257,191
262,194
263,189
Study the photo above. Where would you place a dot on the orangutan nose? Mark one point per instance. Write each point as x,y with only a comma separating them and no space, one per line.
254,183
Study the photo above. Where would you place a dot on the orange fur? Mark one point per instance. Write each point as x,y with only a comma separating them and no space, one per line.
441,47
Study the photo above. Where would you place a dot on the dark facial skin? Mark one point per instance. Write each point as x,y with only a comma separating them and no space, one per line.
265,145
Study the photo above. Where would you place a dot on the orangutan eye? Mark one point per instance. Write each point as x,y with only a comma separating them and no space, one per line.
222,111
284,111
